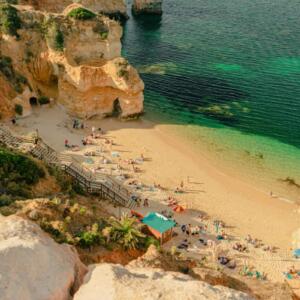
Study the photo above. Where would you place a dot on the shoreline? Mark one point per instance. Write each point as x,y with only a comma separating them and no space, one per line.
220,182
169,160
232,161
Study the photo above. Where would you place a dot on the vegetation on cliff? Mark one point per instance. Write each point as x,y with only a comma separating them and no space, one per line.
81,14
10,21
54,35
14,78
17,175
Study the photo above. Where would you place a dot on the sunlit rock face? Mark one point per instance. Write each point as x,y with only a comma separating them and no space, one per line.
147,7
33,266
75,62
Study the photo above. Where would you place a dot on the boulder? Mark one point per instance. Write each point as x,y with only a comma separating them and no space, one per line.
115,282
33,266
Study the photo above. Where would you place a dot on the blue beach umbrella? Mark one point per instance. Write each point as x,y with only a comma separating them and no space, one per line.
297,253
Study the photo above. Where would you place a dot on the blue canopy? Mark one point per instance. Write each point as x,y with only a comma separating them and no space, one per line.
158,222
297,253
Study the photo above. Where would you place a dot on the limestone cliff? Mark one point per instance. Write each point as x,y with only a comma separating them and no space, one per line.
111,7
147,7
72,59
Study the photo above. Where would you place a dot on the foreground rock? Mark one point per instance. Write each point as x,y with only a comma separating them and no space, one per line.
115,282
76,62
33,266
256,288
147,7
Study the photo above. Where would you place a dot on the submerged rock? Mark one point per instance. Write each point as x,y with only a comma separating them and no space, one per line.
33,266
147,7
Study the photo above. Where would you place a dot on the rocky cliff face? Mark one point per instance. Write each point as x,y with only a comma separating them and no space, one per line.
111,7
147,7
73,60
33,266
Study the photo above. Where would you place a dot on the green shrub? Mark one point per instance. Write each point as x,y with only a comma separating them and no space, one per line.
16,79
5,200
101,29
59,40
81,14
123,73
9,20
19,109
149,240
54,35
18,173
104,35
88,239
56,234
43,100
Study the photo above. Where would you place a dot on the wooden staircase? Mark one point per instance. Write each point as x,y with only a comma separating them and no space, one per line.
104,185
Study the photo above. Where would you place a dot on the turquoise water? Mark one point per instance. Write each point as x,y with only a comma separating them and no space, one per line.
230,67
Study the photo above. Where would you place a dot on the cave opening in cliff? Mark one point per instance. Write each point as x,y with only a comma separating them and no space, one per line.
117,110
33,101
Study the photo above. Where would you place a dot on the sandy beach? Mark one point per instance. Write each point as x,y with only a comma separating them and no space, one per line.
171,159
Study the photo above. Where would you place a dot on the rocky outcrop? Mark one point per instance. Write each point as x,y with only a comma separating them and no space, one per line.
115,282
147,7
33,266
253,287
76,62
111,7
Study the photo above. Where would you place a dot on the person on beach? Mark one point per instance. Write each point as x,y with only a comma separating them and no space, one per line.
13,120
66,143
181,184
146,202
93,131
188,229
183,228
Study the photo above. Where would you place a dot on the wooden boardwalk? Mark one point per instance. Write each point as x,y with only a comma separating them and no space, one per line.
106,186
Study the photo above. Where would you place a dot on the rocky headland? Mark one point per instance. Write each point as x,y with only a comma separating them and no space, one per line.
67,54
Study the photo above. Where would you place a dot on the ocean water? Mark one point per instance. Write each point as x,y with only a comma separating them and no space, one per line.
230,72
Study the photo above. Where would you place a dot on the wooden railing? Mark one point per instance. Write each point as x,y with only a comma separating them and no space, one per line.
104,185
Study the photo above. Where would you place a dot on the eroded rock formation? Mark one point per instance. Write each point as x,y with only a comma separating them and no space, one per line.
33,266
112,7
147,7
76,62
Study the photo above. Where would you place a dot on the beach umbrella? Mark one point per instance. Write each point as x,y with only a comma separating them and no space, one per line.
297,253
178,208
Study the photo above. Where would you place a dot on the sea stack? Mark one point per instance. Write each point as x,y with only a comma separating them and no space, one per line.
153,7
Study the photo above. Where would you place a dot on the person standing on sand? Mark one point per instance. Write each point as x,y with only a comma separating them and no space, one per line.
182,184
93,131
66,143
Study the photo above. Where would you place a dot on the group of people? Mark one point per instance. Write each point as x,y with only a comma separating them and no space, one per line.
190,230
257,244
77,124
145,202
